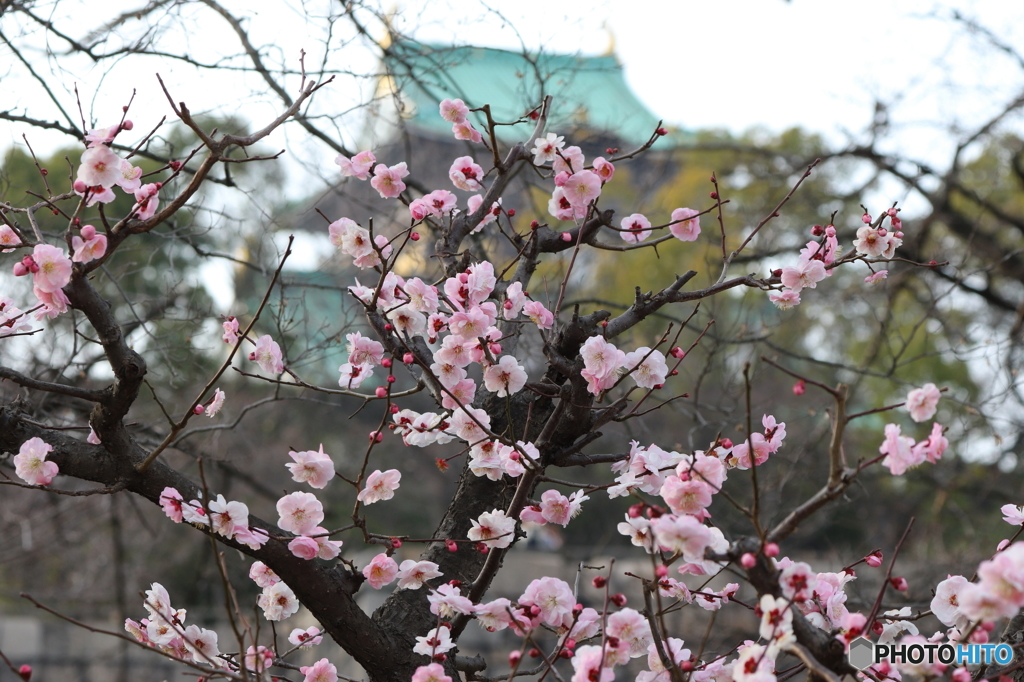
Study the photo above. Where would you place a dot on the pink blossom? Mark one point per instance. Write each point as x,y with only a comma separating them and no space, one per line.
278,602
1013,515
447,601
604,169
430,673
129,180
100,167
740,457
473,203
353,375
102,136
506,377
552,596
798,581
466,131
687,497
380,486
304,547
358,166
689,228
545,149
683,534
466,174
363,350
539,315
258,659
633,629
945,604
588,667
216,404
876,277
388,181
193,512
581,188
230,327
146,201
381,571
262,575
922,402
54,268
635,228
785,299
170,502
30,463
557,508
873,244
251,537
639,532
314,467
560,207
898,451
8,237
466,423
226,516
931,448
436,641
338,229
94,195
89,246
299,513
321,671
267,355
568,160
454,110
306,638
413,574
494,529
806,275
649,369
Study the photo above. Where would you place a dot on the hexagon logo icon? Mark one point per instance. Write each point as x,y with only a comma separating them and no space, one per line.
862,653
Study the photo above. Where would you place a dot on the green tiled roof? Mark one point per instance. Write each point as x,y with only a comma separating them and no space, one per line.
589,93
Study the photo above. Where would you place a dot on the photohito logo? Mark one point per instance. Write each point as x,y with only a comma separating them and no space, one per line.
864,652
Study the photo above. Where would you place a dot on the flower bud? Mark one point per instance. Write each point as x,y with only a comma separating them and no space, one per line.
376,436
874,559
534,652
381,392
440,658
565,653
511,213
677,352
661,131
599,581
748,560
451,545
25,672
661,571
799,387
830,230
175,165
817,231
88,232
80,186
618,599
20,270
561,179
415,236
713,195
899,584
127,125
198,409
771,550
566,237
482,548
391,378
386,362
866,218
395,543
534,224
514,657
611,150
394,409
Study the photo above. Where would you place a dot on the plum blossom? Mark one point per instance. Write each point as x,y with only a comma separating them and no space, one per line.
899,451
588,667
353,375
785,299
493,528
689,228
798,581
683,534
216,404
945,604
560,207
473,203
447,601
545,149
494,615
311,466
299,513
932,447
102,136
557,508
466,174
876,277
632,628
635,228
321,671
467,422
806,275
363,350
922,402
380,486
267,355
581,188
202,644
604,169
433,672
129,180
146,201
278,602
53,268
1013,515
552,596
304,547
875,244
262,575
358,166
306,638
505,377
539,315
226,516
466,131
568,160
454,110
436,641
30,463
381,571
230,327
388,180
100,167
413,574
89,246
639,532
170,502
648,367
8,237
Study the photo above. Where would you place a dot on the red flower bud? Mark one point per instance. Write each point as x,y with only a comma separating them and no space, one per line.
25,671
514,657
511,213
618,599
395,543
391,378
899,584
198,409
534,224
415,236
175,165
661,131
611,150
771,550
451,545
599,581
713,195
748,560
799,387
534,652
127,125
408,358
394,410
381,392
